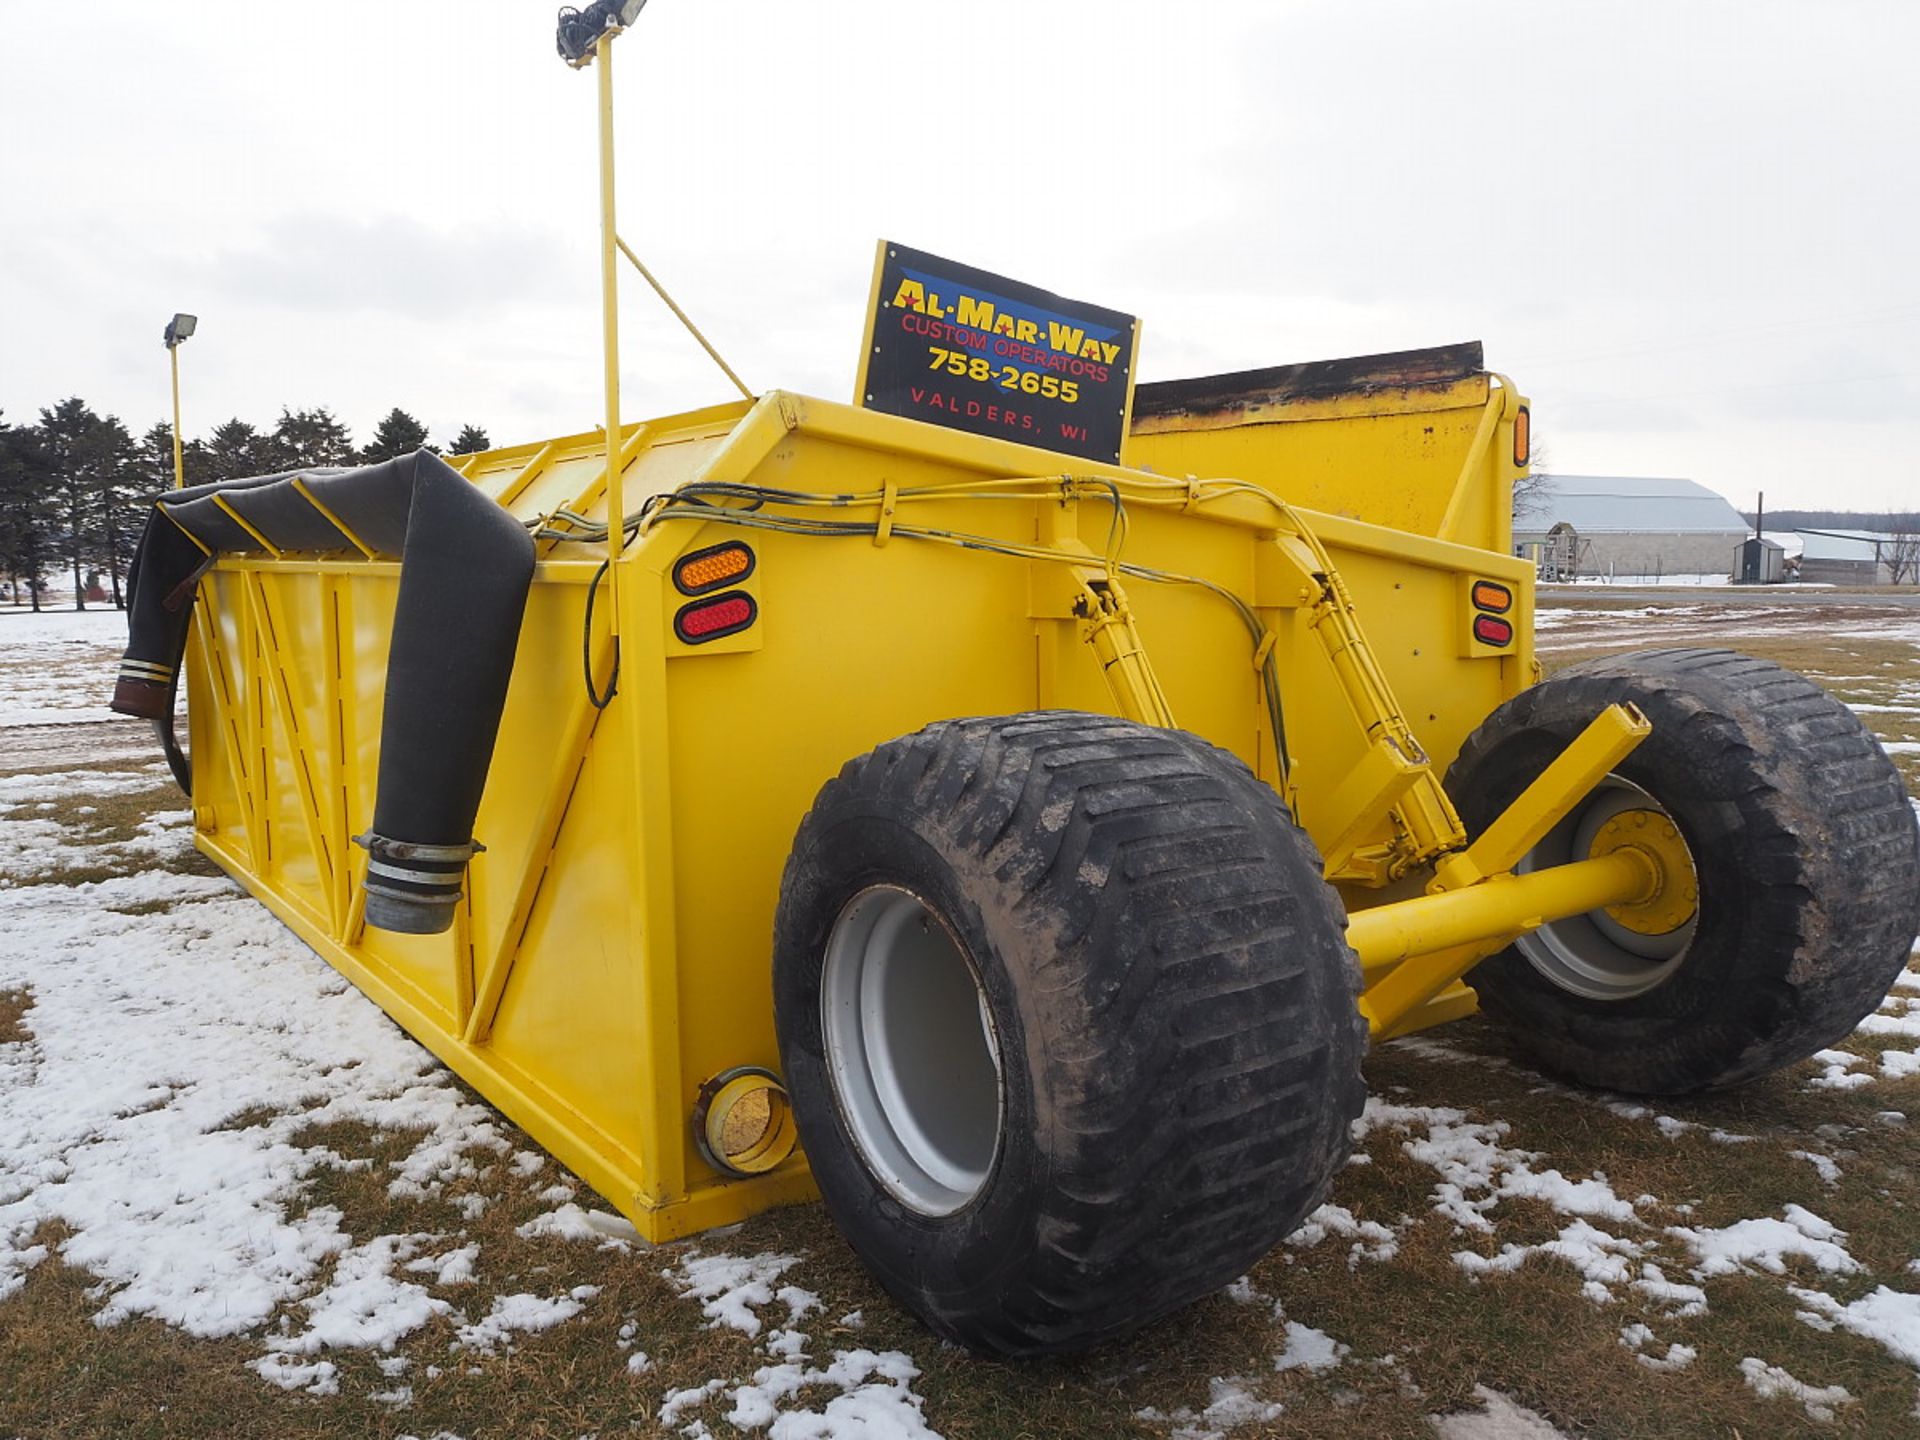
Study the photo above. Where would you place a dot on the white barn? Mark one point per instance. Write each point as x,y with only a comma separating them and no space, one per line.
1606,525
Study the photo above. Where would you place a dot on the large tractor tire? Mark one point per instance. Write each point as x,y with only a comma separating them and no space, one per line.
1795,889
1068,1021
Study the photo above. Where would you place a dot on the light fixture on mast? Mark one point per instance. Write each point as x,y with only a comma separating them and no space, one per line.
178,329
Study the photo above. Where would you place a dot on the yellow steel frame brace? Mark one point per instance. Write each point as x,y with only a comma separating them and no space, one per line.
1475,906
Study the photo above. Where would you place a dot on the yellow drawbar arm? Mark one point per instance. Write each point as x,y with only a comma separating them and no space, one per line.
1474,907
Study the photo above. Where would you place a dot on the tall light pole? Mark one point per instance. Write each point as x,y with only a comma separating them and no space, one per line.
178,329
582,37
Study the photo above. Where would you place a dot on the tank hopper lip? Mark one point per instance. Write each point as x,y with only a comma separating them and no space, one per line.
1245,391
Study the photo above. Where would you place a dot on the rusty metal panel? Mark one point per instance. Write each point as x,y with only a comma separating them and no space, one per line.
1244,396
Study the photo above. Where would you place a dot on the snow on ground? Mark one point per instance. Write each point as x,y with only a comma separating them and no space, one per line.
1712,580
1768,1244
180,1178
1891,1317
33,846
1565,626
1230,1404
159,1117
57,667
1309,1349
876,1395
1477,1172
1819,1401
178,1060
1498,1419
118,1124
1638,1337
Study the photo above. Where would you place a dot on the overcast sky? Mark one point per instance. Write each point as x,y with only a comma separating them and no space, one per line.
1689,230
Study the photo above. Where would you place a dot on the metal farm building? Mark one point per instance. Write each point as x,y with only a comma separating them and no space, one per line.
1608,525
1848,557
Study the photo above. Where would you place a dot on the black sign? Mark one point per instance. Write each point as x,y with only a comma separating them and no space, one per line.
960,347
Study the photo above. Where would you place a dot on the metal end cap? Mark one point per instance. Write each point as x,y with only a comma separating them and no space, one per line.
410,915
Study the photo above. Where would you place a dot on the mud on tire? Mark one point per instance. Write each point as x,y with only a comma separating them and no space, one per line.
1068,1020
1806,855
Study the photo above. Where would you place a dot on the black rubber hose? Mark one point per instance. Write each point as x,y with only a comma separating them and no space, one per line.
463,589
177,760
160,584
465,568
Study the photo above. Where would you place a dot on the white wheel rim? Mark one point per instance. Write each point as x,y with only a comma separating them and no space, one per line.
911,1050
1593,955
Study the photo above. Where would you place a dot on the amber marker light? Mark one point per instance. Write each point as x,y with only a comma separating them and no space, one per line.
1492,597
1522,436
702,570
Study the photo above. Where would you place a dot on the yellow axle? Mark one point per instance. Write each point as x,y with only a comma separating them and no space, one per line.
1485,918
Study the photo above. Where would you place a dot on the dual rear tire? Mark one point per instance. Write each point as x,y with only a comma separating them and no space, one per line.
1806,863
1068,1018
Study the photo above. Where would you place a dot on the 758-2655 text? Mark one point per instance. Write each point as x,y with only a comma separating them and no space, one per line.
1008,377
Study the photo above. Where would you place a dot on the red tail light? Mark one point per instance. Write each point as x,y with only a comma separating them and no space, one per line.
706,620
1491,631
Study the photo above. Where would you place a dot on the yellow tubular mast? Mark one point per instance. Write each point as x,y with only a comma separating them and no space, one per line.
179,464
610,337
611,248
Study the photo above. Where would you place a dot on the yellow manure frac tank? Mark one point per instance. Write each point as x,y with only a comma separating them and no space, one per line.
677,853
1012,829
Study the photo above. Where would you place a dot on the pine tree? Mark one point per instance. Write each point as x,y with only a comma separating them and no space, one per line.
306,439
119,503
26,510
89,456
470,441
236,451
153,459
398,434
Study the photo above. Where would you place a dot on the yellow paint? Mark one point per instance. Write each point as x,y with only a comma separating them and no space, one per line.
612,956
1653,835
1426,943
1608,740
179,463
1434,460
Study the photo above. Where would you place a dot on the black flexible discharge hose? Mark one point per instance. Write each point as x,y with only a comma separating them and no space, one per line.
465,567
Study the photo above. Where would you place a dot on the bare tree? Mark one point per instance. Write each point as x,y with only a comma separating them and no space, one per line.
1901,553
1530,490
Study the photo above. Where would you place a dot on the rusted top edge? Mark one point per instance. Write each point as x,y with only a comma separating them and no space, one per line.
1438,366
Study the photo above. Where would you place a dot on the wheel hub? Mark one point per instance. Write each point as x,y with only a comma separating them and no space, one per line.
911,1050
1622,951
1676,895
